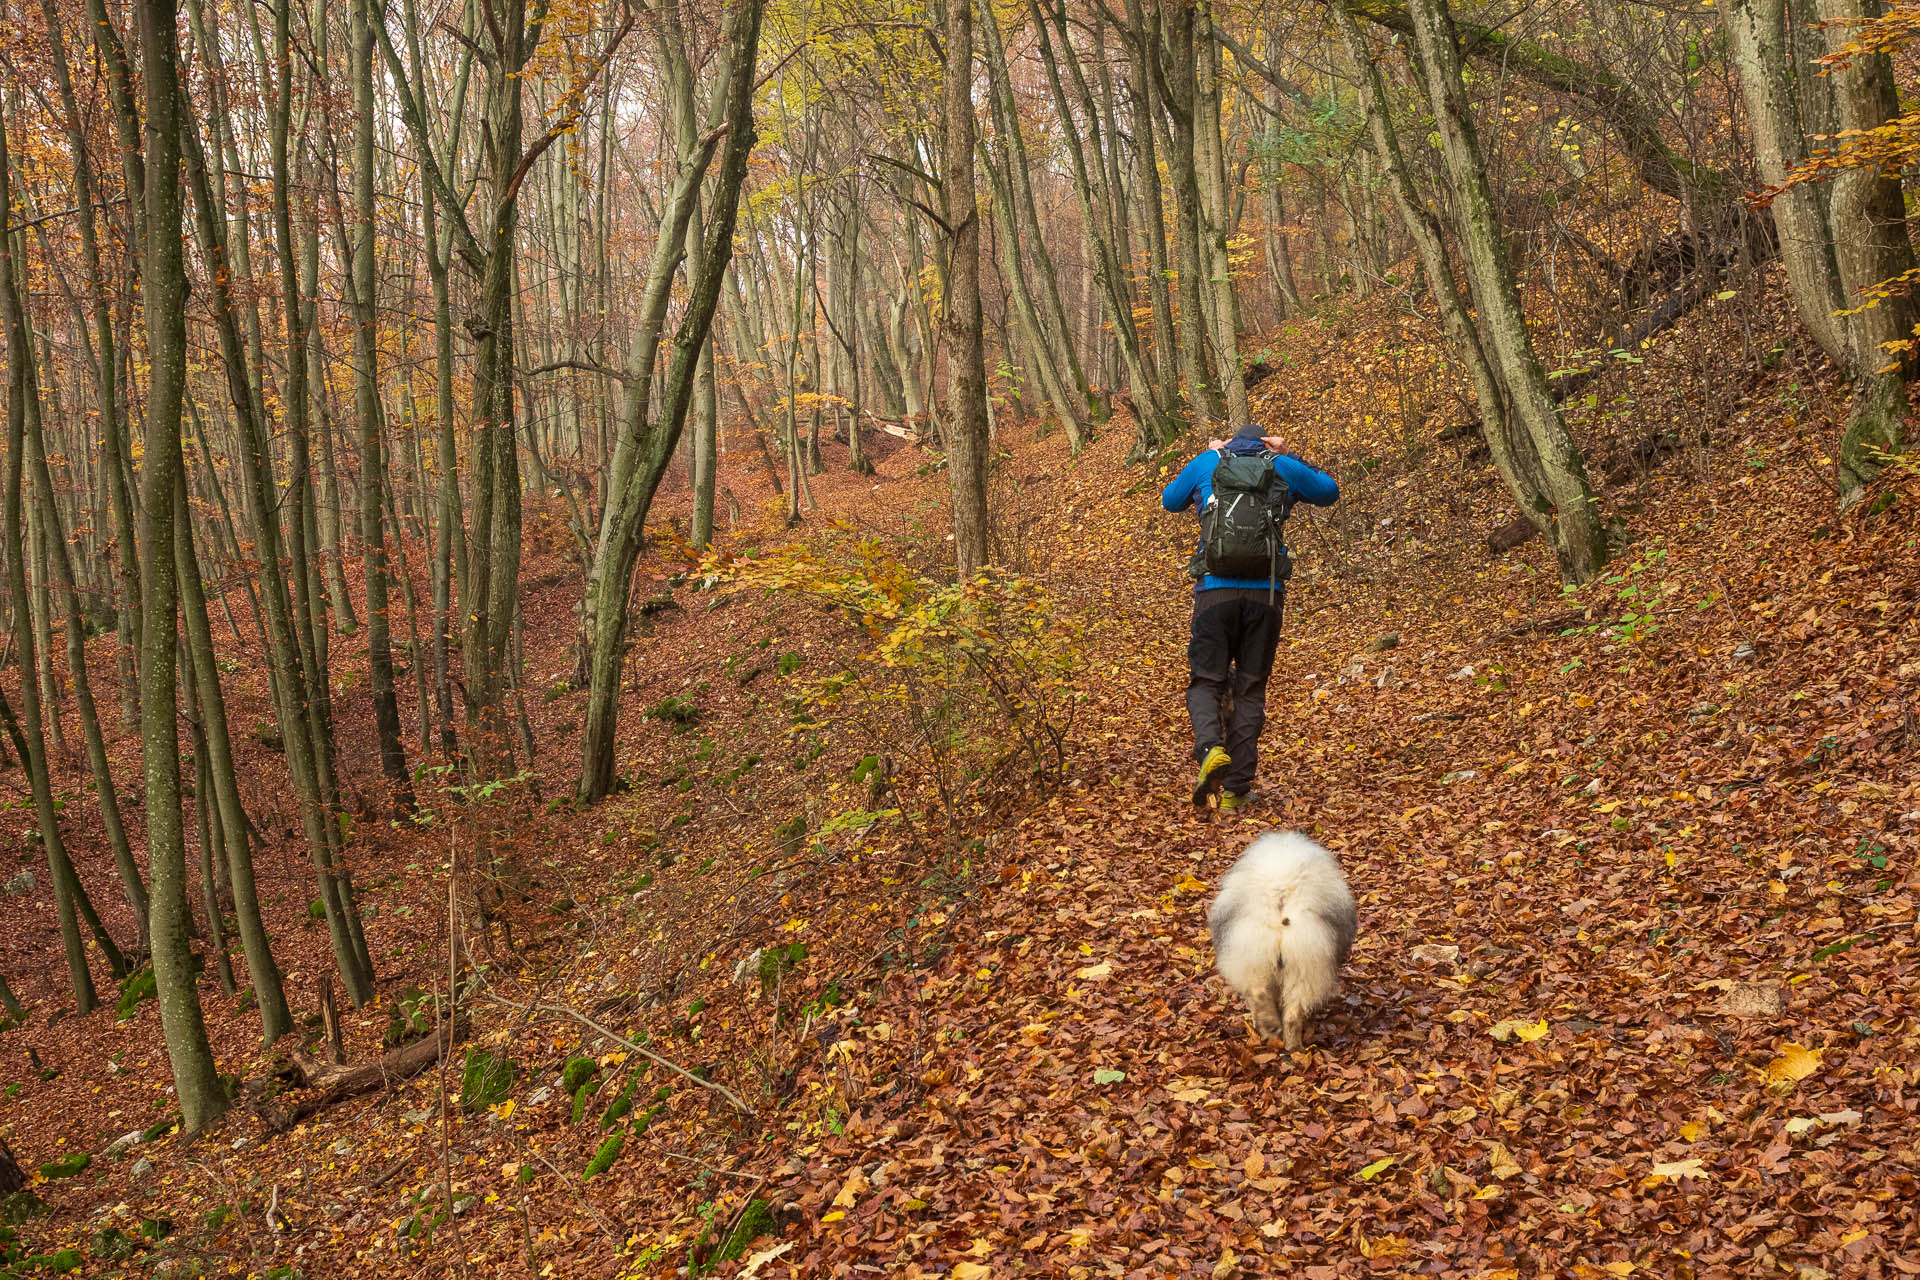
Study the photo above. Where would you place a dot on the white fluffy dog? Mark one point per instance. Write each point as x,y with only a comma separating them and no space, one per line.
1282,927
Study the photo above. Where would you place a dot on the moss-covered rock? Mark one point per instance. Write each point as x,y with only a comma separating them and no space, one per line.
71,1166
603,1158
485,1080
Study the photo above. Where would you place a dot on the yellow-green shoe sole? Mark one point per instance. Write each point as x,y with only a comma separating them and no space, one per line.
1204,784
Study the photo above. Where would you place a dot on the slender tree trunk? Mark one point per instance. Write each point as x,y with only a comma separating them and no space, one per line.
204,812
21,383
196,1082
647,445
1110,275
288,620
224,803
366,395
1181,96
1513,455
1144,106
106,380
1216,218
967,453
62,573
1579,537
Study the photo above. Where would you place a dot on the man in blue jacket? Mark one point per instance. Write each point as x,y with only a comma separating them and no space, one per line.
1236,624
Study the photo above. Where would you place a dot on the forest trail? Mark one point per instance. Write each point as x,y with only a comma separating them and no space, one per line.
1632,992
1632,987
593,658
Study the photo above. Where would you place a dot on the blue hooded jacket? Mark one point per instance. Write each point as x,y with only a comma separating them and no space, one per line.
1193,487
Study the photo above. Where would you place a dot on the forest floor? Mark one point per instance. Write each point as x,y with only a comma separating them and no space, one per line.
1633,992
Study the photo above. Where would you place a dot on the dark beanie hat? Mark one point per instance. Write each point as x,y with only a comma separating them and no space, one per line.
1247,431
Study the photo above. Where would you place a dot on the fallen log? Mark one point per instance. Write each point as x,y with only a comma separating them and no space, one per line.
325,1084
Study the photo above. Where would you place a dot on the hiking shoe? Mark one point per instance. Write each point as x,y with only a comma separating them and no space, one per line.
1215,760
1231,800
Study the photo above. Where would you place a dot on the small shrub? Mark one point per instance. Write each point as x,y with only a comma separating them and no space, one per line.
135,991
411,1018
961,681
775,961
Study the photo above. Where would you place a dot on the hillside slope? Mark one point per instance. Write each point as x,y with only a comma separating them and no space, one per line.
1635,867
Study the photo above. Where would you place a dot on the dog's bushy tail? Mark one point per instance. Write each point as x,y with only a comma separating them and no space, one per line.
1282,927
1313,945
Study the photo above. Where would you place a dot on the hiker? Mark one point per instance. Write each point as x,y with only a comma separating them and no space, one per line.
1243,489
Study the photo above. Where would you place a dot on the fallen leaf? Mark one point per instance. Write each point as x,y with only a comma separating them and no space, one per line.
1795,1063
850,1191
1094,971
1677,1171
1500,1161
971,1271
1514,1027
1375,1169
1106,1075
758,1260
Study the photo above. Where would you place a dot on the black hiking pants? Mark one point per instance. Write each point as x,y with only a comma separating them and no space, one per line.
1235,631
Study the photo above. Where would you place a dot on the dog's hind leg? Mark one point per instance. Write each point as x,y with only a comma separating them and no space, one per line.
1265,1007
1294,1026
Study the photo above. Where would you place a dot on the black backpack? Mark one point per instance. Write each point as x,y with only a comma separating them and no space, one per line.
1240,527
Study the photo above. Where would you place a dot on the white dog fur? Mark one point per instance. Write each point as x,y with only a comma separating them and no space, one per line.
1282,926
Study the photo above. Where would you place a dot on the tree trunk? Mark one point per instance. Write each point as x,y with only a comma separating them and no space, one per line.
1153,428
967,451
224,804
1580,540
366,395
1512,453
22,382
1217,219
1868,213
646,446
62,573
1176,70
287,622
196,1082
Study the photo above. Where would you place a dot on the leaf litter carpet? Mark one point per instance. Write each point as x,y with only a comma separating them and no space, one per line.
1633,992
1633,988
